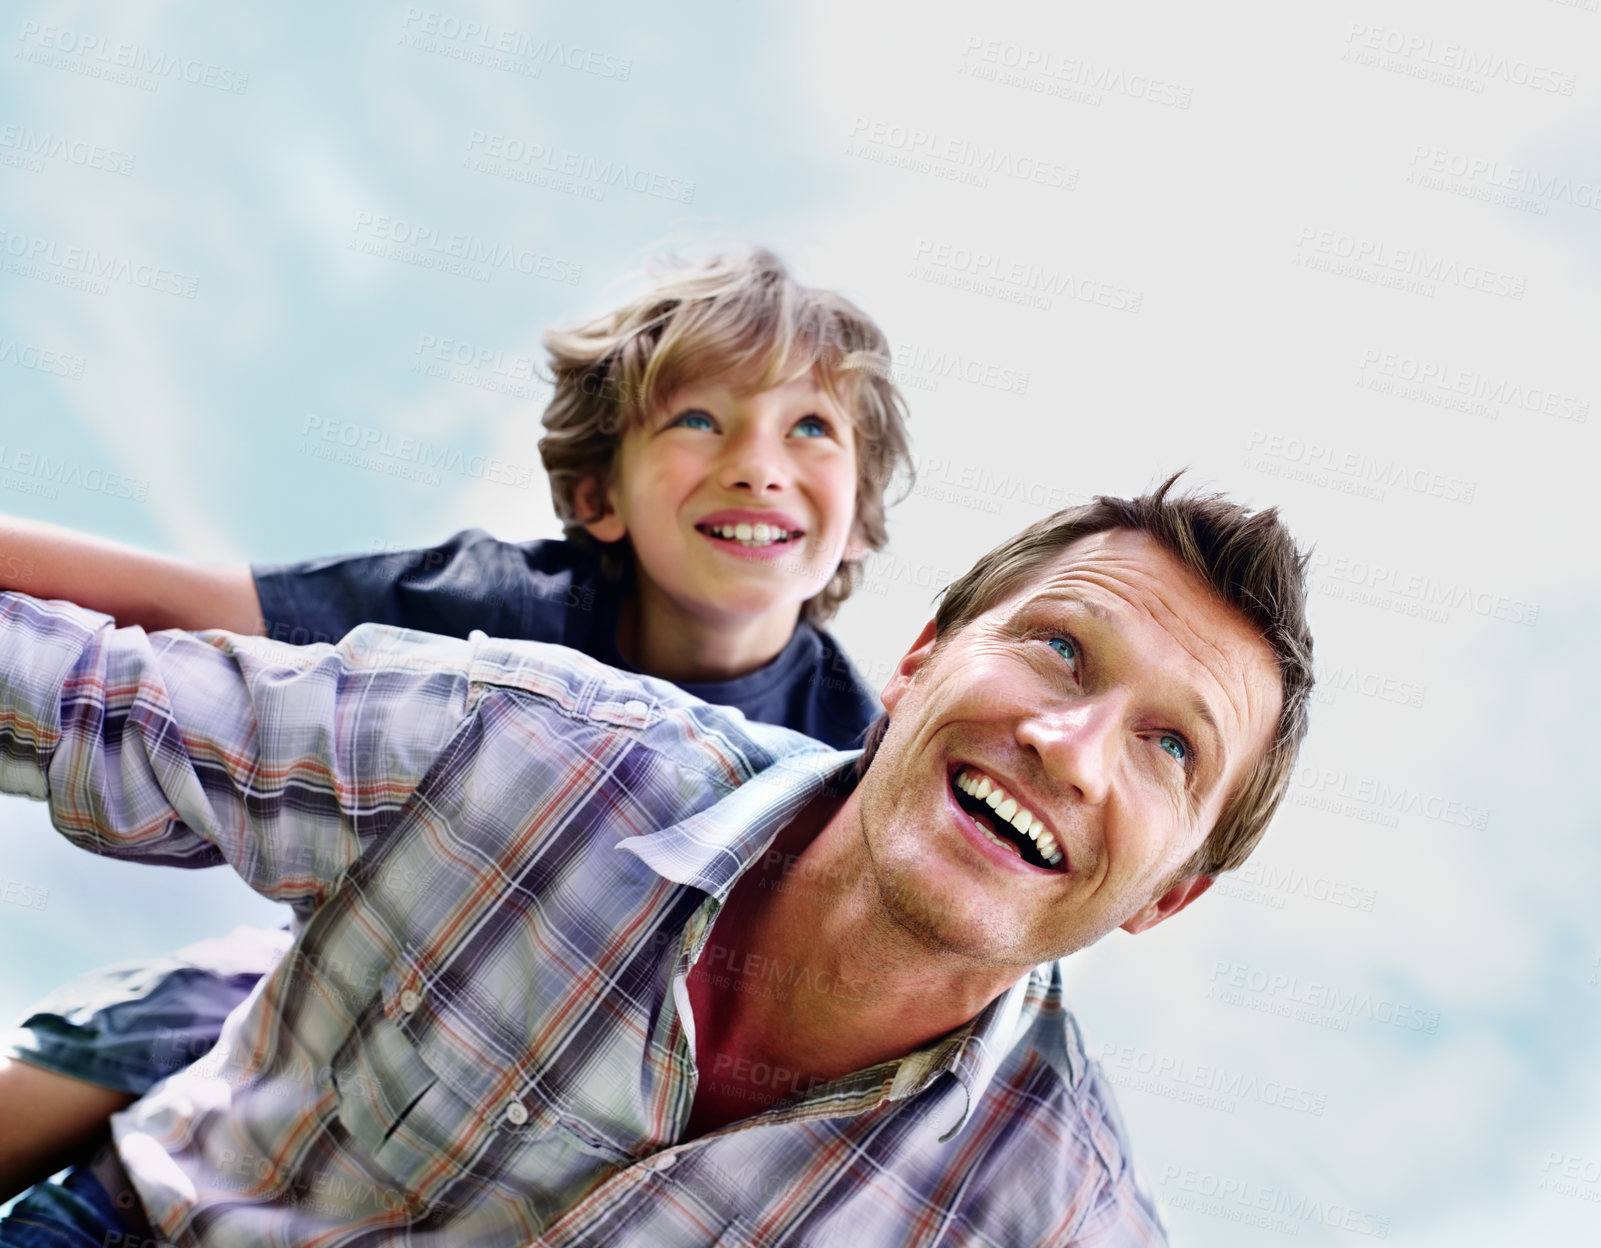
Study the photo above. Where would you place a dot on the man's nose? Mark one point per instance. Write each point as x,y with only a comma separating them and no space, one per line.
1078,743
754,461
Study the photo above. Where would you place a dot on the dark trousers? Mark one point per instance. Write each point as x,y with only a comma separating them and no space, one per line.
91,1206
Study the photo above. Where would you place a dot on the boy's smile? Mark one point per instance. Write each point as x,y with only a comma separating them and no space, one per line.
751,533
739,505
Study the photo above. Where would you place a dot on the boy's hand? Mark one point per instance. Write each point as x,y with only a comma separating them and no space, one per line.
131,586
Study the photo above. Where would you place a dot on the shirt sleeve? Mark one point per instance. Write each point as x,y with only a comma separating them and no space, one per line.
471,581
196,749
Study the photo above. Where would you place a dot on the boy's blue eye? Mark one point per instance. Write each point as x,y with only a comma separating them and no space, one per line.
695,420
811,427
1174,746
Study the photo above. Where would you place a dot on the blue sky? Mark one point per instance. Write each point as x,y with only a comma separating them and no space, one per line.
1342,261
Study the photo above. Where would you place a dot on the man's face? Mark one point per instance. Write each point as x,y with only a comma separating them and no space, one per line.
1118,701
737,503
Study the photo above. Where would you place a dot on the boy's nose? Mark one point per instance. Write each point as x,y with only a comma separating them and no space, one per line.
753,464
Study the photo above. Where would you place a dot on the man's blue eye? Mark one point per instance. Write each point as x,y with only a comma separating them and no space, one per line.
695,420
1064,647
811,427
1174,746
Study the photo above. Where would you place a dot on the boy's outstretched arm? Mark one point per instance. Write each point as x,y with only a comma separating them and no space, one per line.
132,586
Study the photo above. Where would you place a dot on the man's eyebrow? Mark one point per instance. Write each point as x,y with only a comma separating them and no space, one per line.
1068,598
1198,707
1203,713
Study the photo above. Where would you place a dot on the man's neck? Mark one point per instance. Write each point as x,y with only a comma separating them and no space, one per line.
661,639
806,973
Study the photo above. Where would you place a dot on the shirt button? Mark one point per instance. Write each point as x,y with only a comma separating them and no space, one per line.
409,1001
661,1161
516,1113
635,708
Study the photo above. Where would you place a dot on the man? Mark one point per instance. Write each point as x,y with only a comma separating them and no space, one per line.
580,959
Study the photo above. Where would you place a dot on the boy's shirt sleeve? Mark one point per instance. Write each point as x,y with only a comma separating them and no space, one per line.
196,749
471,581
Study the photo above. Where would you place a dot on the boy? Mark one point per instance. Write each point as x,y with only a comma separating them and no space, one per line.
718,449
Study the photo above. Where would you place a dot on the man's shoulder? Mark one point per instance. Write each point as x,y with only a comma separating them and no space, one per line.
1052,1108
579,686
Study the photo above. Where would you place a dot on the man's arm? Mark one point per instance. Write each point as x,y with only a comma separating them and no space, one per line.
283,761
132,586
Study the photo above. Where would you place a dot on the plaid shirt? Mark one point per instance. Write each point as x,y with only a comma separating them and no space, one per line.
503,858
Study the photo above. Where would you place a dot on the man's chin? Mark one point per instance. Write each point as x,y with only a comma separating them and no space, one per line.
956,926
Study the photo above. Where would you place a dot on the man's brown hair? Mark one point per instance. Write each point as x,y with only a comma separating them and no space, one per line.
739,316
1253,563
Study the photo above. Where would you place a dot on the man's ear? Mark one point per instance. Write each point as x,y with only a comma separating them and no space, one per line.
911,663
1169,903
593,504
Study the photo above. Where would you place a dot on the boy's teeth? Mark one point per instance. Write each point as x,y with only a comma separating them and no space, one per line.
747,534
1008,808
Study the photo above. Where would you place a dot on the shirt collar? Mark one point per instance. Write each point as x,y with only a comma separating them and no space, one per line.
710,851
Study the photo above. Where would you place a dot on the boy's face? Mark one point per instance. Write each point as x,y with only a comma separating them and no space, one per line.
738,504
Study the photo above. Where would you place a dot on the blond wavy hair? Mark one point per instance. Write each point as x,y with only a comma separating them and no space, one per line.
738,315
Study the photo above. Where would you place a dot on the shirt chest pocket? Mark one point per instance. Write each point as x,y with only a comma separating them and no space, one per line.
410,1126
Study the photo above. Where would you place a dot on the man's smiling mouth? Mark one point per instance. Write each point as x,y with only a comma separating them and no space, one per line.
1005,820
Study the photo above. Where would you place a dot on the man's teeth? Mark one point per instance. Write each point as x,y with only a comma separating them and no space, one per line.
749,534
978,785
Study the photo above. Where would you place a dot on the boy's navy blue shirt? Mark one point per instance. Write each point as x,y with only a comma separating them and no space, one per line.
547,591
